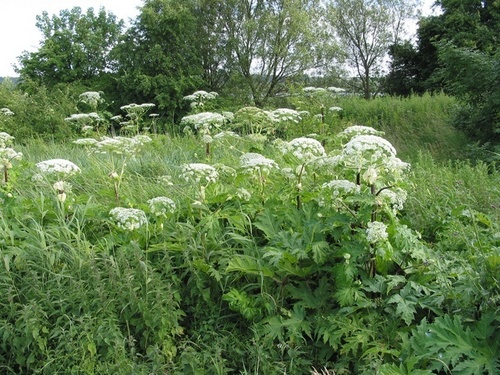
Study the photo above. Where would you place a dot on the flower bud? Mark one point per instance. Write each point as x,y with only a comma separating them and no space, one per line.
370,176
113,175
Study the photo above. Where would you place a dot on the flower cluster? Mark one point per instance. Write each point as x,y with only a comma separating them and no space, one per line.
6,112
334,190
253,161
376,231
128,218
311,90
116,145
203,122
85,141
161,206
198,98
335,109
135,112
200,173
362,144
394,198
355,130
305,149
83,118
225,134
372,157
364,151
62,188
286,114
137,109
84,121
58,167
336,90
339,188
8,154
91,98
254,120
5,139
243,194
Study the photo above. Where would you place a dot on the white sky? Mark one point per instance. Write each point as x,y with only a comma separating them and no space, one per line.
19,33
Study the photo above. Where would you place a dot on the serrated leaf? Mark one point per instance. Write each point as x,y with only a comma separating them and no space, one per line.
404,308
248,265
320,251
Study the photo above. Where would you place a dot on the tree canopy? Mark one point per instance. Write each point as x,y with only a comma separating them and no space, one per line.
75,46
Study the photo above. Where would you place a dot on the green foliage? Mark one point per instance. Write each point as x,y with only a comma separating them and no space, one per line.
153,70
75,47
418,123
457,51
39,112
365,30
265,267
450,345
471,76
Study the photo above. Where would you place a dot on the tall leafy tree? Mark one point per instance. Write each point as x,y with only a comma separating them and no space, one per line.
402,79
159,57
365,30
75,46
457,51
271,42
469,24
213,44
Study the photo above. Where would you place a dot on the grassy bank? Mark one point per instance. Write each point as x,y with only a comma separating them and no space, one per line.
254,255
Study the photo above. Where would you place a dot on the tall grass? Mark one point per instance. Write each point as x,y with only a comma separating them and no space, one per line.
78,295
418,123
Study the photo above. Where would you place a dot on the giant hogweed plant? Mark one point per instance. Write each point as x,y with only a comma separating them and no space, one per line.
327,241
298,249
307,246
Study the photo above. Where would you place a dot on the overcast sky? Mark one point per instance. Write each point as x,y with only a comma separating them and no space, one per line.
18,32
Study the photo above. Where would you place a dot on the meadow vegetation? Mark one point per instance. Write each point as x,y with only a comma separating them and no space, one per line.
342,236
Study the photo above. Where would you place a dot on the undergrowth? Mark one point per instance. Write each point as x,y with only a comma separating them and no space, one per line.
273,255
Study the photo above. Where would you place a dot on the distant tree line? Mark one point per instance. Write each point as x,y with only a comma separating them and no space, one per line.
456,51
253,51
250,49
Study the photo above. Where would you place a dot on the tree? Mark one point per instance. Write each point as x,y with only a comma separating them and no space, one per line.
365,29
457,51
402,79
216,60
159,58
271,41
76,46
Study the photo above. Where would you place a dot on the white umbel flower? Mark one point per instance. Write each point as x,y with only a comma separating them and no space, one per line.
369,143
5,139
6,112
160,206
204,121
306,149
355,130
255,161
200,173
341,187
58,166
376,231
128,218
286,114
